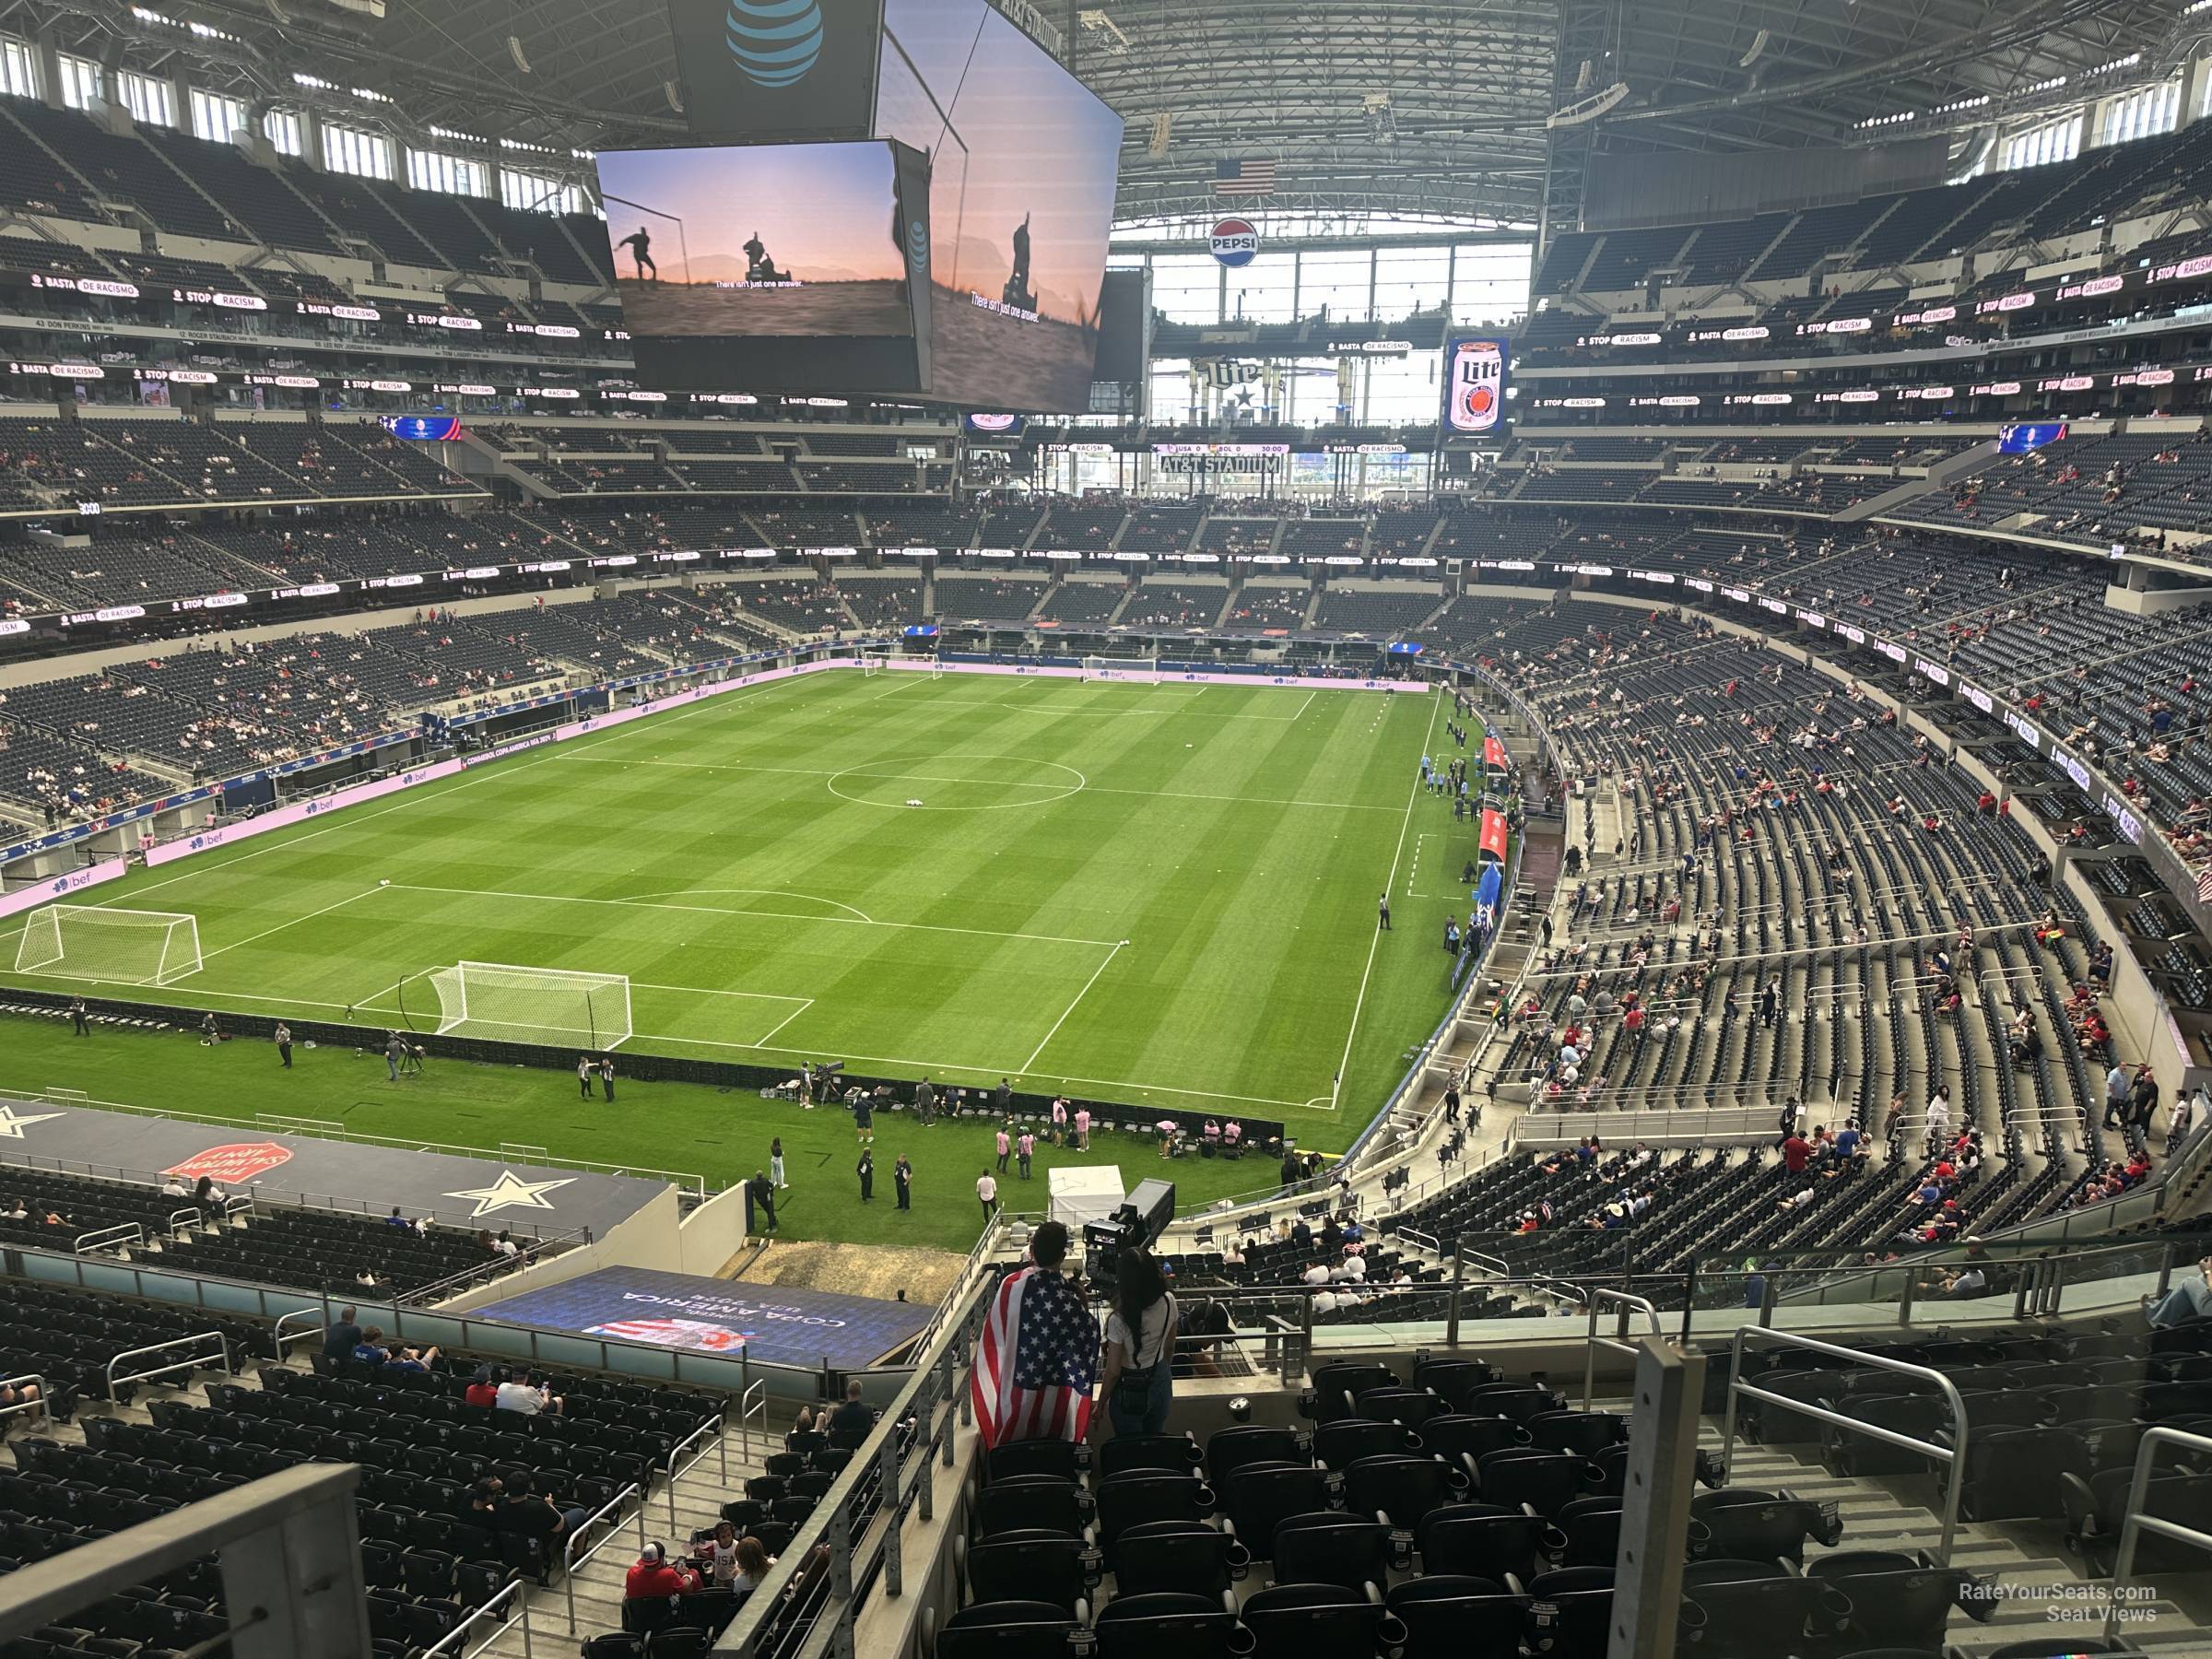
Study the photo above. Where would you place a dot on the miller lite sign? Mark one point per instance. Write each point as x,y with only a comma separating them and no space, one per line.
1475,386
1235,241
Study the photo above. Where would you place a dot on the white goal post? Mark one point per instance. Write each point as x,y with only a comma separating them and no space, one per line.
122,947
874,662
501,1002
1142,671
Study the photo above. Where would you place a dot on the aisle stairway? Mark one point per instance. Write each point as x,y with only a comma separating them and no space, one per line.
2029,1559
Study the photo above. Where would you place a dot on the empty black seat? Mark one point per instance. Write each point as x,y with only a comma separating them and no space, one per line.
1452,1615
1029,1565
1297,1622
1166,1625
1186,1558
1009,1629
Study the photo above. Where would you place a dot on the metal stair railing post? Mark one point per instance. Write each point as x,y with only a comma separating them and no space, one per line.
198,1363
279,1335
1954,1454
2135,1522
1623,1303
609,1510
714,1428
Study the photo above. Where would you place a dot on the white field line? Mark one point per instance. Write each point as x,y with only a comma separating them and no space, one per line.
1071,1007
411,798
1360,1003
804,1004
712,910
937,1067
1163,794
207,957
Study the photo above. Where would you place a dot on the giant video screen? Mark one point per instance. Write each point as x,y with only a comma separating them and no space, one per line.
1023,159
770,267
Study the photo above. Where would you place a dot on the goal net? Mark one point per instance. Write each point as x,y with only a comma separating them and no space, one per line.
1138,670
874,662
124,947
504,1003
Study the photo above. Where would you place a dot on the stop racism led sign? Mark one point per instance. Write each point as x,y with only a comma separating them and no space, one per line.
1235,241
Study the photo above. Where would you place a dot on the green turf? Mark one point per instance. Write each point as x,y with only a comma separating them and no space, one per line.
719,1134
1160,895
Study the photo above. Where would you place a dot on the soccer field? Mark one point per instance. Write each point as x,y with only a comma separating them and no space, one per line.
1154,894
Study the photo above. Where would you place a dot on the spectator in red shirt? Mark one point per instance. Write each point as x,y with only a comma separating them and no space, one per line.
654,1575
483,1389
1796,1152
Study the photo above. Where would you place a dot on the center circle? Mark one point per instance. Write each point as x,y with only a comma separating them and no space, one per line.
957,782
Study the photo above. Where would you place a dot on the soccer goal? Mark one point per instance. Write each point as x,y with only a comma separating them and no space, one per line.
122,947
1143,671
874,662
504,1003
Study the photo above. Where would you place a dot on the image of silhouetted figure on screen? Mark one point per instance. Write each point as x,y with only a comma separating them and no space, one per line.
758,266
641,246
1018,285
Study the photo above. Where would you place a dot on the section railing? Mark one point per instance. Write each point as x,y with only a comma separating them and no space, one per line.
498,1614
751,1404
2135,1520
611,1513
36,1402
109,1238
1623,1305
199,1362
705,1431
1953,1456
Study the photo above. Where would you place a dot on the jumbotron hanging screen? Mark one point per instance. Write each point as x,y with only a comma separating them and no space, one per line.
1022,160
793,267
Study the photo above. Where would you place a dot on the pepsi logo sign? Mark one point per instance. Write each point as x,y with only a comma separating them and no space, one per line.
1234,242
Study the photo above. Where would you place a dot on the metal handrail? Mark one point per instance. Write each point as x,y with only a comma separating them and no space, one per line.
38,1403
1626,1303
182,1222
451,1642
713,1427
437,1290
751,1404
108,1238
1954,1454
2135,1522
572,1560
198,1363
281,1337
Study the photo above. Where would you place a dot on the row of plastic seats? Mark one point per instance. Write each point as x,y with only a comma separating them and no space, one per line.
1563,1615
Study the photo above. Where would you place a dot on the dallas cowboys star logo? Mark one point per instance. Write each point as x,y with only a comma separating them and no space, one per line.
13,1123
511,1192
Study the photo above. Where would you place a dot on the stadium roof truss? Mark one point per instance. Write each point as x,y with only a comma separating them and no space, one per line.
1395,106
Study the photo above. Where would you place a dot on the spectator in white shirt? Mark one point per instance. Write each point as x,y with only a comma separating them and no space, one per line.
528,1398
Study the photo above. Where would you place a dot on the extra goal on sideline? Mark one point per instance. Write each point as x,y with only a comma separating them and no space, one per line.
500,1002
120,947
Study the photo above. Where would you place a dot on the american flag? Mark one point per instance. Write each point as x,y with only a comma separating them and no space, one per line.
1246,177
1036,1363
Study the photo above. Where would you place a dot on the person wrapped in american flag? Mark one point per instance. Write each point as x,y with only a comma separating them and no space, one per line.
1038,1355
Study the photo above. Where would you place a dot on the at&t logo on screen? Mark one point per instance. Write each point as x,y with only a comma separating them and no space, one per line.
775,42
